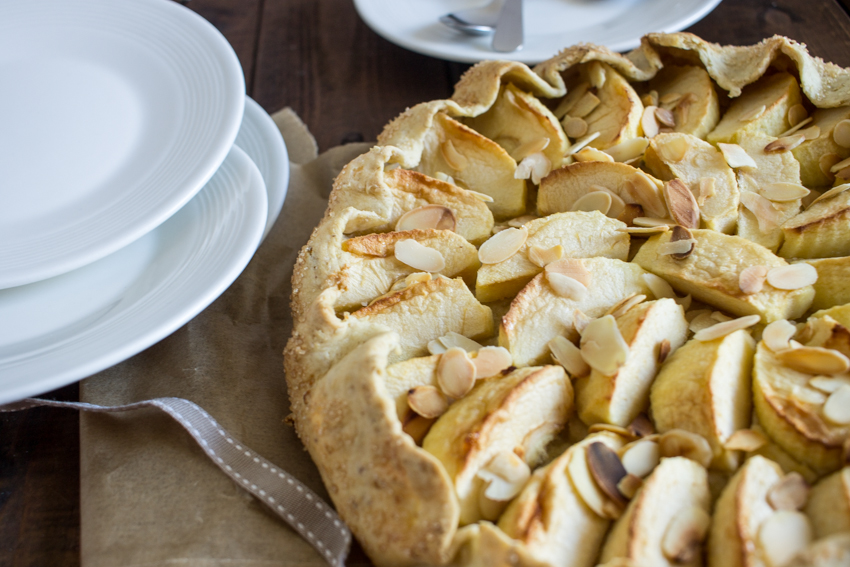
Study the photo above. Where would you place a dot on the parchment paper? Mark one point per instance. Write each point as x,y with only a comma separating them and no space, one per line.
149,495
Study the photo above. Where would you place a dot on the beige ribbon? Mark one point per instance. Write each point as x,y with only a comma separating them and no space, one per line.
296,504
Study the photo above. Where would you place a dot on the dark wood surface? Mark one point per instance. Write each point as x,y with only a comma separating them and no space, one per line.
345,82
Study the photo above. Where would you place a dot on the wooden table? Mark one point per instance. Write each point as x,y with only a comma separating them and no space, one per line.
345,82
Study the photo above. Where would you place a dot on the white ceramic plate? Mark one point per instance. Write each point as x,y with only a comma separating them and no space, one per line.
550,25
113,114
261,139
57,331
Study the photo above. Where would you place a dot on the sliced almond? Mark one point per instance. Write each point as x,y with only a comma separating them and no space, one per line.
628,149
736,156
752,114
670,98
580,320
616,429
804,395
797,114
674,149
811,133
683,207
592,154
767,215
594,201
534,166
452,339
814,360
521,221
790,493
701,321
681,443
795,128
777,335
682,234
645,192
707,190
585,105
573,96
629,485
569,356
436,347
578,470
651,222
580,144
531,147
843,164
826,162
793,276
603,346
683,107
618,206
785,144
684,534
658,286
596,74
678,249
508,466
644,230
783,192
503,245
650,98
783,535
834,192
641,426
663,351
624,305
828,384
427,401
727,327
444,177
665,117
418,256
649,122
641,457
606,469
480,196
543,256
575,127
426,217
841,134
455,373
751,280
571,267
747,440
720,317
454,159
491,361
837,406
565,286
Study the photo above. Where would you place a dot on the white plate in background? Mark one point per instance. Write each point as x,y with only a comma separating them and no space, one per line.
113,114
57,331
550,25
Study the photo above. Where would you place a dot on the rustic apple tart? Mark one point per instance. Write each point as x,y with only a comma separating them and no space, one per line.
591,313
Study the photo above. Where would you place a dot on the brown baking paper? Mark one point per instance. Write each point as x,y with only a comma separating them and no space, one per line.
149,494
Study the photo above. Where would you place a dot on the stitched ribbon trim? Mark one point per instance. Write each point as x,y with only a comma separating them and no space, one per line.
296,504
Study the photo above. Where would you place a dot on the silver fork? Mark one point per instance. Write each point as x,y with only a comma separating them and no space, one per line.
475,21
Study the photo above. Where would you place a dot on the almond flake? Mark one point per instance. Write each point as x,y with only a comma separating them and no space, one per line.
826,162
645,192
455,373
491,361
624,305
736,156
436,347
628,487
531,147
777,336
683,107
814,360
580,320
663,351
419,257
641,426
452,339
674,149
579,145
585,105
628,149
797,114
785,143
843,164
592,154
596,74
454,159
427,216
503,245
616,429
603,346
684,534
726,328
575,127
783,192
701,321
683,207
480,196
751,280
792,277
565,286
783,535
606,469
841,134
641,457
752,114
811,133
568,355
747,440
795,128
834,192
844,174
542,256
570,100
427,401
665,117
595,201
678,248
571,267
837,406
790,493
505,475
648,122
534,166
670,98
658,286
681,443
643,230
681,234
519,222
590,493
444,178
828,384
650,222
767,215
803,395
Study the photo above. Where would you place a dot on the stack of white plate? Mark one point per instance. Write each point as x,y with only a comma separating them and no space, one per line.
136,181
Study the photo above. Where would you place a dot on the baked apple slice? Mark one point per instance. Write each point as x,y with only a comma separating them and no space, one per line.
818,155
820,231
831,289
829,504
688,93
